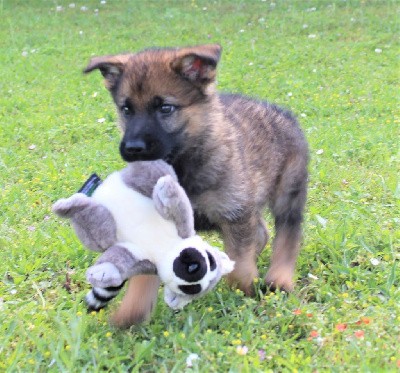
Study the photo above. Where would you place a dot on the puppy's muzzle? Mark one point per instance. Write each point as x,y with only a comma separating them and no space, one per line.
135,147
138,149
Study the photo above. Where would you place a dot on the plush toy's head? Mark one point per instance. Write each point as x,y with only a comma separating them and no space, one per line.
196,269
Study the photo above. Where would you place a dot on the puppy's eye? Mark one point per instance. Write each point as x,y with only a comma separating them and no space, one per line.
126,110
167,109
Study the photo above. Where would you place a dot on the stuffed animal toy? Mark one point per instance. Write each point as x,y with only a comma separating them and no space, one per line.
141,220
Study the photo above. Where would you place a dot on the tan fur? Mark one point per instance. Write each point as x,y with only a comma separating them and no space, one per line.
233,156
138,302
245,269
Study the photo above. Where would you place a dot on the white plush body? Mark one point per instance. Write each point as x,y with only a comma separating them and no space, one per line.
136,218
140,235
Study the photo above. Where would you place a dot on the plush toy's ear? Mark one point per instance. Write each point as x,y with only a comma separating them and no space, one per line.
197,64
111,67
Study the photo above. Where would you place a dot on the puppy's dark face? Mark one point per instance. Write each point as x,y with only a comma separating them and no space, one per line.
146,135
159,95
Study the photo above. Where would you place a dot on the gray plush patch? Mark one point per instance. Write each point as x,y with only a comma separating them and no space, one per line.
116,265
172,203
143,175
93,223
118,255
95,227
127,264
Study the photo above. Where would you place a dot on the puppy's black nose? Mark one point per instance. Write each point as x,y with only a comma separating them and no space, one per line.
134,147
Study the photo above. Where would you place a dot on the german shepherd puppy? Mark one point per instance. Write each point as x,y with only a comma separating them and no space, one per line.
233,155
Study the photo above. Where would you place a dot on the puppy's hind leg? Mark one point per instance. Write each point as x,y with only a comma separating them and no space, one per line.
287,208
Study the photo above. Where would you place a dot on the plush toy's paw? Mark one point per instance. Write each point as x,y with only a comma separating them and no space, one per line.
172,203
174,300
66,207
93,303
104,275
98,297
167,194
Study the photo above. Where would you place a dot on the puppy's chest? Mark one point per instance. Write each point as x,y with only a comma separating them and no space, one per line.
197,176
209,191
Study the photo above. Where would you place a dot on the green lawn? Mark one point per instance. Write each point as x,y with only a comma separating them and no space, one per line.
334,63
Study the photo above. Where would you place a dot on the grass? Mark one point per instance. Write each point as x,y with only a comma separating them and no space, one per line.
334,63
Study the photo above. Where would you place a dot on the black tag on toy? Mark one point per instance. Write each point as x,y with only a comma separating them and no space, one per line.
90,185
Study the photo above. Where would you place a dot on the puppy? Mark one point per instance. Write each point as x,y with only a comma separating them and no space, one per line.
233,156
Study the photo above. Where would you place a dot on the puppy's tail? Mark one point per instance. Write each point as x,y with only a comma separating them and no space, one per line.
138,302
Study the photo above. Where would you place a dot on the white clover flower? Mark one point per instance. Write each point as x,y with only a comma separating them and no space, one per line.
375,261
190,359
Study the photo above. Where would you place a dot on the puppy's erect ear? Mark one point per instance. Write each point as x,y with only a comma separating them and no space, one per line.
197,64
111,67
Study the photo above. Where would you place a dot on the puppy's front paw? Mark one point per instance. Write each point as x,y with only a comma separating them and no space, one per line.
104,275
280,278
